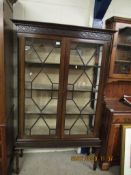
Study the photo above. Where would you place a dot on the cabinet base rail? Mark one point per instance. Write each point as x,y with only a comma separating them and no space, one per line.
22,144
19,154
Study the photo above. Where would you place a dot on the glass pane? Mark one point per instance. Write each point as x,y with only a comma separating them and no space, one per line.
123,60
40,124
42,61
123,53
82,88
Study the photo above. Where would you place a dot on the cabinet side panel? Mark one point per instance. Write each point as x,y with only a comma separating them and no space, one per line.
2,85
8,65
3,160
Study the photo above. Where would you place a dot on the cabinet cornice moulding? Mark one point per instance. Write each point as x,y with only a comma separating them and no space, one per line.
60,30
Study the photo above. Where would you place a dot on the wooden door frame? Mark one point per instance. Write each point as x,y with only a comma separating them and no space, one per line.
21,82
102,78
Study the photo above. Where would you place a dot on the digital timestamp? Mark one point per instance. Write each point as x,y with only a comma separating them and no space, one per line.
91,158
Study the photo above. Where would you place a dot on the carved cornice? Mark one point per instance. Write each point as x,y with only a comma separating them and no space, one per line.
118,19
86,34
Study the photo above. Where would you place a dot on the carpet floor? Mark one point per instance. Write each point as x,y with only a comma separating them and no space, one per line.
60,163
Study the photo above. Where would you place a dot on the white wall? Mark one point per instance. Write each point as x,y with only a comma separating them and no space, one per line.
73,12
120,8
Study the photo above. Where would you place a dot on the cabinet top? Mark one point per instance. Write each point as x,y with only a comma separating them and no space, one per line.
118,19
116,106
62,30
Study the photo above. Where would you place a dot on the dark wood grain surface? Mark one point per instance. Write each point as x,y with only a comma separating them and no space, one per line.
6,87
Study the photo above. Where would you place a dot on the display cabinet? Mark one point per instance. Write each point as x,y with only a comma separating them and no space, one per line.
120,66
115,112
60,79
122,62
42,97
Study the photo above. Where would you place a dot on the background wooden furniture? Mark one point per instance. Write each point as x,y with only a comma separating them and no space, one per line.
6,87
116,114
120,63
60,97
118,84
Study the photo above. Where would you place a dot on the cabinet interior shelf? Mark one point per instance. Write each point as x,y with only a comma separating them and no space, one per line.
56,65
37,113
67,113
70,109
124,45
76,89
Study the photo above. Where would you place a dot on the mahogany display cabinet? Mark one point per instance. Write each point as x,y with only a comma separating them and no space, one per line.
120,66
115,112
61,74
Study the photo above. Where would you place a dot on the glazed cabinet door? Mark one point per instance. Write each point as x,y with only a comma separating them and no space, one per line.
121,54
39,86
82,77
